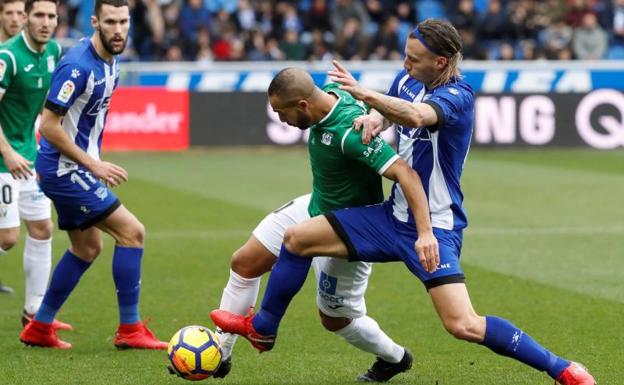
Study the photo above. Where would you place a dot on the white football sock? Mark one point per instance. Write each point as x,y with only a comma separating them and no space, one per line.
239,295
37,266
365,334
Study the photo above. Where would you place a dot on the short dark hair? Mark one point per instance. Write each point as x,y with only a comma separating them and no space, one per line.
114,3
28,6
3,2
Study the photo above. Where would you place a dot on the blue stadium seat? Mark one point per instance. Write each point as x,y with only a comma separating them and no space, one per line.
426,9
616,52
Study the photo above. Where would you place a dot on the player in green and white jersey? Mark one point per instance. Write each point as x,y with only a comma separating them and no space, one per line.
27,62
346,173
12,17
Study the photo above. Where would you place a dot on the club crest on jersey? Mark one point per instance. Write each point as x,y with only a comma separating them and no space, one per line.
67,90
326,138
51,64
3,68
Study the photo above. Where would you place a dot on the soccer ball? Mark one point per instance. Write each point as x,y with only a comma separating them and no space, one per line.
194,353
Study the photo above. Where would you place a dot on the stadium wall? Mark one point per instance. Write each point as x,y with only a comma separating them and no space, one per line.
176,105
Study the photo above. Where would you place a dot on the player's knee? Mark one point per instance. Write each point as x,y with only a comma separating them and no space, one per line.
89,251
248,265
8,239
133,235
41,230
463,328
293,241
333,324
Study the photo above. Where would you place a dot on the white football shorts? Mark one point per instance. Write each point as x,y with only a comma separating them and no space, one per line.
340,284
21,198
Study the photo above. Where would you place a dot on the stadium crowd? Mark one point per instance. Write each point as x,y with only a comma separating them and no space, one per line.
252,30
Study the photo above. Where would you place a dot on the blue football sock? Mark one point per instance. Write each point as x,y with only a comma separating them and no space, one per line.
502,337
127,277
285,281
64,279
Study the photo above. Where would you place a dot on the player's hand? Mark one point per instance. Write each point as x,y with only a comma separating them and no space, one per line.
428,251
110,173
371,126
18,166
348,83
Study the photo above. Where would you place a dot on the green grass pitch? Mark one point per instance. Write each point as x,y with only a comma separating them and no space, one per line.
544,249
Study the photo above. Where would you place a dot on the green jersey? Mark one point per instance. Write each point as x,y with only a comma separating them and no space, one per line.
346,172
25,77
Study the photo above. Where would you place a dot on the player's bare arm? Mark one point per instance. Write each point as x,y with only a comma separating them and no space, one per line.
427,245
18,166
393,109
52,130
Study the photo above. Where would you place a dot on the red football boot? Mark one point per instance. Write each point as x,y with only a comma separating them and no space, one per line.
242,325
575,374
37,333
137,336
56,324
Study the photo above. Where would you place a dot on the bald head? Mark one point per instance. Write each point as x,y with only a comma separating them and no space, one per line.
292,84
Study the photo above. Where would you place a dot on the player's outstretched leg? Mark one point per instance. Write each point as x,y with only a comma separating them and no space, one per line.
501,336
286,279
40,331
248,264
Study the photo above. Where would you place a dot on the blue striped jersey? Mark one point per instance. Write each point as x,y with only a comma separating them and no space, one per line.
437,153
81,89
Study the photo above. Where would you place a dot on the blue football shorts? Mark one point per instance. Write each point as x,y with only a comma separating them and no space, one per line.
80,199
373,234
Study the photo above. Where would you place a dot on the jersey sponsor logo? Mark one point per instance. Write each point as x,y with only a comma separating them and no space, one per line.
75,73
67,90
453,91
51,63
327,283
29,67
101,104
3,67
326,138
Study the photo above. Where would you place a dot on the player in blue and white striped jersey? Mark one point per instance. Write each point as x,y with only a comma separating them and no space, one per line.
72,175
432,108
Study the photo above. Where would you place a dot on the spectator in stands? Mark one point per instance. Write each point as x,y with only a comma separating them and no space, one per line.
465,16
148,31
193,16
493,25
245,16
471,48
556,38
292,48
351,44
386,41
615,21
318,16
577,9
344,10
590,40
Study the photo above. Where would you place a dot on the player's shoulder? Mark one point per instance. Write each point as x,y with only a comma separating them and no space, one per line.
80,56
456,87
